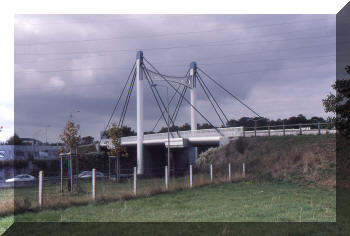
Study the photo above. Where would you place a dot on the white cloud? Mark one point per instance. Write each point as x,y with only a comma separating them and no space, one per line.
56,82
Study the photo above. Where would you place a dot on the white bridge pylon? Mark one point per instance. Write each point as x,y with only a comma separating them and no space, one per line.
140,110
139,114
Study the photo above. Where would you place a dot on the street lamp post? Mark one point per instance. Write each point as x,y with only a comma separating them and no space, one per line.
168,123
47,126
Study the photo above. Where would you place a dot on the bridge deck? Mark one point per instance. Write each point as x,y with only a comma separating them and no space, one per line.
209,136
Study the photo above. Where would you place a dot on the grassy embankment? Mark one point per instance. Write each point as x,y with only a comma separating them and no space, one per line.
300,159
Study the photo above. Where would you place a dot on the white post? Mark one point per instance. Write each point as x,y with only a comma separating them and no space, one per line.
166,178
135,176
93,184
61,159
139,108
229,171
40,189
211,173
243,170
190,176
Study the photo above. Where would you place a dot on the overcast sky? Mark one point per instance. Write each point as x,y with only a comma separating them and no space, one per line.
280,65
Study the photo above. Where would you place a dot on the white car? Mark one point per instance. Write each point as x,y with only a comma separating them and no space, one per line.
21,178
88,174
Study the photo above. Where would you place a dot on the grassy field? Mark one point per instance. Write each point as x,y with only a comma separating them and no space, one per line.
241,202
5,223
26,198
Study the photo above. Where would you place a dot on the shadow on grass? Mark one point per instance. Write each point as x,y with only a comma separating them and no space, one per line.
175,229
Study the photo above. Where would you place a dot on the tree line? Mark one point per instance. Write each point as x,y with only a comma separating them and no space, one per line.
250,122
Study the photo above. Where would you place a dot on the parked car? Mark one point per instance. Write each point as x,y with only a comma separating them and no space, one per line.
21,178
88,174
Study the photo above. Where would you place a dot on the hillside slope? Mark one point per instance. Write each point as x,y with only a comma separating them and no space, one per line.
303,159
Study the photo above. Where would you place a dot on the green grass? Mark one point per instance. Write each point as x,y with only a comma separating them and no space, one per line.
242,202
230,202
5,223
52,191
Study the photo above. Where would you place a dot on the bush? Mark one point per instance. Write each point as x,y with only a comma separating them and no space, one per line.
22,205
241,145
205,159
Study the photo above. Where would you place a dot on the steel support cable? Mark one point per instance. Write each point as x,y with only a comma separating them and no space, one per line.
230,93
176,112
177,109
211,102
160,98
155,97
126,101
126,104
187,101
185,88
167,76
160,117
200,78
150,81
116,105
195,108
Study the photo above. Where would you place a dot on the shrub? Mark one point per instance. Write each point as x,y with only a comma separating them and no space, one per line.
205,159
22,205
241,145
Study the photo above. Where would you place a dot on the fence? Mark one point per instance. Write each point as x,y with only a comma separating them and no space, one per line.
290,129
95,185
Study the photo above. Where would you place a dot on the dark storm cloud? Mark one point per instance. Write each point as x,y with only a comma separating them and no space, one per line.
65,63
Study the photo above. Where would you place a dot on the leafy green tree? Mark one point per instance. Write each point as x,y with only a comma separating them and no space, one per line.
127,131
87,140
184,127
204,126
115,134
71,139
339,104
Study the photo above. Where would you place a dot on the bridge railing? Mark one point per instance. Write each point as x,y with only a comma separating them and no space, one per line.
290,129
227,132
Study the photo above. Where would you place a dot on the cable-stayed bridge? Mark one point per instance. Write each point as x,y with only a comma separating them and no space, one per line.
183,143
